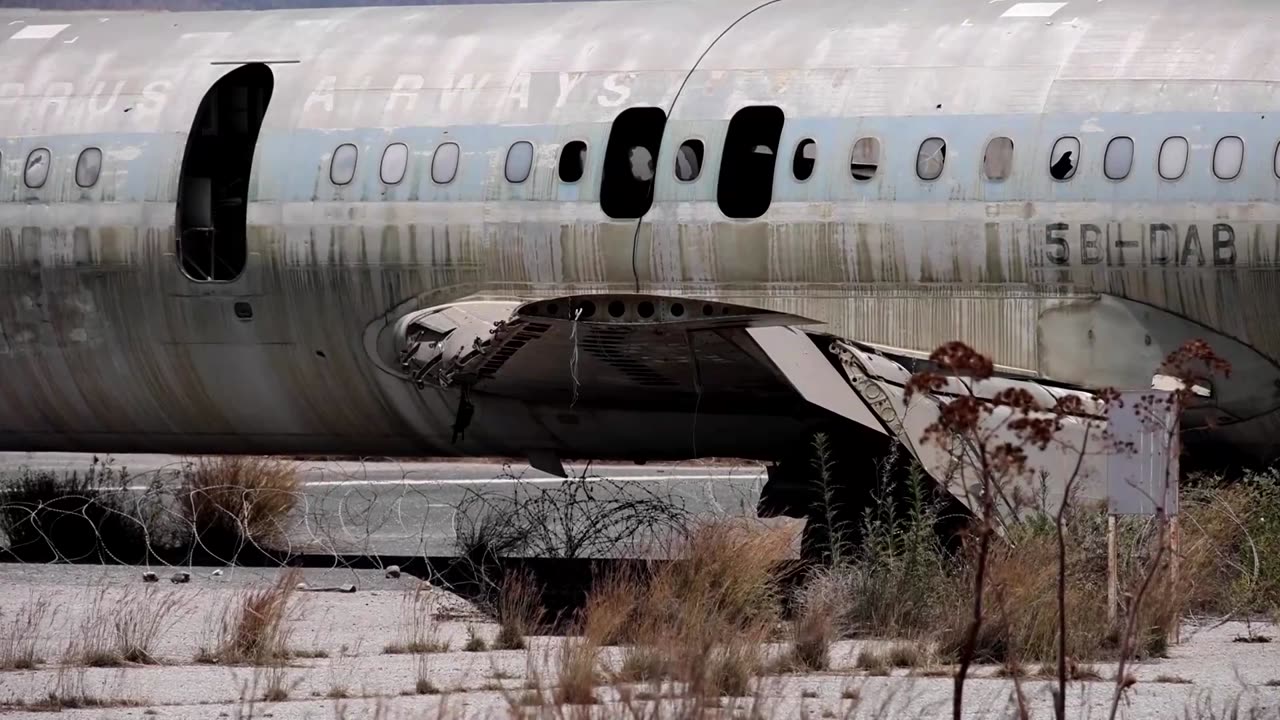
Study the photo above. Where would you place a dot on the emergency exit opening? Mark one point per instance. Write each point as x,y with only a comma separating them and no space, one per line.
213,190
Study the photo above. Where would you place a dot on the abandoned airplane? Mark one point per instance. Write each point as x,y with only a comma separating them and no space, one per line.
641,230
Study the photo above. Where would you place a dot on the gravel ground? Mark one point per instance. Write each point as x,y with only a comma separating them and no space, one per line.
351,631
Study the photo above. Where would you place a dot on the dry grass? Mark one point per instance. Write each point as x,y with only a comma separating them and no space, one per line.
908,655
873,662
255,626
814,627
702,619
610,607
20,631
123,626
475,643
1172,679
576,673
235,502
519,610
419,629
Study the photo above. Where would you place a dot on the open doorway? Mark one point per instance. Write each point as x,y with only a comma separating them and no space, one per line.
213,190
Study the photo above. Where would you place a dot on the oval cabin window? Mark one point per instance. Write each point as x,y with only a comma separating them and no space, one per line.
88,167
931,158
342,168
997,161
1228,158
865,159
689,160
1118,161
519,162
395,162
1173,158
37,171
1065,158
573,161
444,164
805,160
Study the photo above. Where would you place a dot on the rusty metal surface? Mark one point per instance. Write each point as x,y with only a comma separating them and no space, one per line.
104,343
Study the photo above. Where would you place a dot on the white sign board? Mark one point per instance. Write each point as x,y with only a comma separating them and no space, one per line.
1142,469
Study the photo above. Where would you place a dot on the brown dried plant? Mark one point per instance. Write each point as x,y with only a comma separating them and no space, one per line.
989,438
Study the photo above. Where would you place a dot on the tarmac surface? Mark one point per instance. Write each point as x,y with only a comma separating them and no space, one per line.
411,508
339,643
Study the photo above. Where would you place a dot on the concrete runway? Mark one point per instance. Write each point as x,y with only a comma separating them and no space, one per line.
410,508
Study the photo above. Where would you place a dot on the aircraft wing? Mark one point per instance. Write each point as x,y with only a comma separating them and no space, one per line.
656,352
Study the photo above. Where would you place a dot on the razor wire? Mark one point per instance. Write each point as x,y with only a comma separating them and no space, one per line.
344,512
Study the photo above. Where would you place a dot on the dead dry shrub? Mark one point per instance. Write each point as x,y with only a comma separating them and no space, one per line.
1021,623
48,516
123,626
1231,544
238,502
518,609
255,625
20,631
703,618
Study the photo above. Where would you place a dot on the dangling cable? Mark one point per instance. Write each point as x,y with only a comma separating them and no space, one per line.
573,357
697,388
635,238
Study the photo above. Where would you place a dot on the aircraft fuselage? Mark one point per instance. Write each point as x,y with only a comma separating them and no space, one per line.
230,276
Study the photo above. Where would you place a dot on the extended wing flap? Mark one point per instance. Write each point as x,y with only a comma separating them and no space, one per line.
1075,460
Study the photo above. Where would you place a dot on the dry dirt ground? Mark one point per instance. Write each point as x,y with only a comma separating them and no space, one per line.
1208,672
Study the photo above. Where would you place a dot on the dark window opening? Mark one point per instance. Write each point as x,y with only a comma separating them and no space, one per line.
745,187
1064,159
626,190
805,159
573,161
689,160
865,160
213,190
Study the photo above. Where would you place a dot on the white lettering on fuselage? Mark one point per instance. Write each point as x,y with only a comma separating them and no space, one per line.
407,93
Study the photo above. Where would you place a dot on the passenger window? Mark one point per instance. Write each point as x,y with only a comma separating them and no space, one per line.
997,161
395,161
1065,158
1173,158
745,187
1118,161
573,161
634,139
865,160
805,159
519,162
342,168
88,167
37,168
931,158
444,165
689,160
1228,158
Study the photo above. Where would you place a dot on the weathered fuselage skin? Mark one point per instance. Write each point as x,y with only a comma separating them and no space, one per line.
106,345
